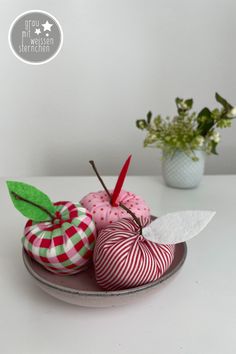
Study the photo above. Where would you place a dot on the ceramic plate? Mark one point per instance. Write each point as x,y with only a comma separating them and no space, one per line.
82,289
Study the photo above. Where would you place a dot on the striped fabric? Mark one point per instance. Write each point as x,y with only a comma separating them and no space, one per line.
65,244
124,259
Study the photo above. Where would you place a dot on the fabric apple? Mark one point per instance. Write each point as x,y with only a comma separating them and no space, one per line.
109,206
60,236
130,253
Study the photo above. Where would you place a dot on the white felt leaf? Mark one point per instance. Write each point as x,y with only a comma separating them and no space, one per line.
177,227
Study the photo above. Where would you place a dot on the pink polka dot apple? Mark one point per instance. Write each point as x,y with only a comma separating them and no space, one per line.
109,206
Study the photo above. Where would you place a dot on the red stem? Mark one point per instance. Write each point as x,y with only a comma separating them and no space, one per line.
120,181
92,163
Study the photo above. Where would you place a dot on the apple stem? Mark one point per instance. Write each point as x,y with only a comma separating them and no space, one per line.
120,181
133,215
92,163
18,197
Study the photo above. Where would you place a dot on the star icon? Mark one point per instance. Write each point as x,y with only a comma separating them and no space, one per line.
37,31
47,26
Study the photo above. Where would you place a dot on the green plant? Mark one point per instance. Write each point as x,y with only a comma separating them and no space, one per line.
188,131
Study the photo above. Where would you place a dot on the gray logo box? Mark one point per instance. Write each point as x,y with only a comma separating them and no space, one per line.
35,37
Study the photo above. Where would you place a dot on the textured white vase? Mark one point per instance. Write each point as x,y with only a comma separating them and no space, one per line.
180,171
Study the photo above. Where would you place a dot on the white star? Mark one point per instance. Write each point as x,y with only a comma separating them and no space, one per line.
37,31
47,26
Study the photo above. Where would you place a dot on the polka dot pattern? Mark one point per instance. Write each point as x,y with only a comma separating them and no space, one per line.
98,203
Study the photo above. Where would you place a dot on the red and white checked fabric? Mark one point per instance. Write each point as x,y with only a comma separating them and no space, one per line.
65,244
123,258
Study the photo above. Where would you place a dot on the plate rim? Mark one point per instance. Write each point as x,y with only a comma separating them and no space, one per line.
103,293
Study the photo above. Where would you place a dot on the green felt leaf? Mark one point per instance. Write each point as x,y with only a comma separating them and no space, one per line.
30,201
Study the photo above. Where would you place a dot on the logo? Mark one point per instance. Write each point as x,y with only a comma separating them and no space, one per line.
35,37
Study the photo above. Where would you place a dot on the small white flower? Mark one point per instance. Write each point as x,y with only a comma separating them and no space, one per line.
215,137
232,113
183,105
200,141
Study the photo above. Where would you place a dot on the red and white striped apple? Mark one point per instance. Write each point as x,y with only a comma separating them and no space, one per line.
130,253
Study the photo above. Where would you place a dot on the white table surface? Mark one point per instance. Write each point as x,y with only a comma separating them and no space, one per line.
194,314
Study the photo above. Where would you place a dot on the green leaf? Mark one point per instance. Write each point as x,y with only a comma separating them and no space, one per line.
213,148
149,117
30,201
223,102
141,124
183,105
189,103
205,112
205,121
178,100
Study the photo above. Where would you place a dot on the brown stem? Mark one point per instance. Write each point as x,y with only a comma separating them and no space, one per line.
92,163
100,178
133,215
18,197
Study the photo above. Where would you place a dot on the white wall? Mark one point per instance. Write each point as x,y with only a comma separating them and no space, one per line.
120,58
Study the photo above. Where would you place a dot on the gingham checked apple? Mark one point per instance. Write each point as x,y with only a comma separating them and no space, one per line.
61,236
64,245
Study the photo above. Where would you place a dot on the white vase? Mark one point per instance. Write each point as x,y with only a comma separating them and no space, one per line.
180,171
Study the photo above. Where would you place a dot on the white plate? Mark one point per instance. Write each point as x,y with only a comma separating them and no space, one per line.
82,289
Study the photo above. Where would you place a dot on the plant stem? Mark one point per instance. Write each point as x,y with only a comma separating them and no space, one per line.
18,197
92,163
